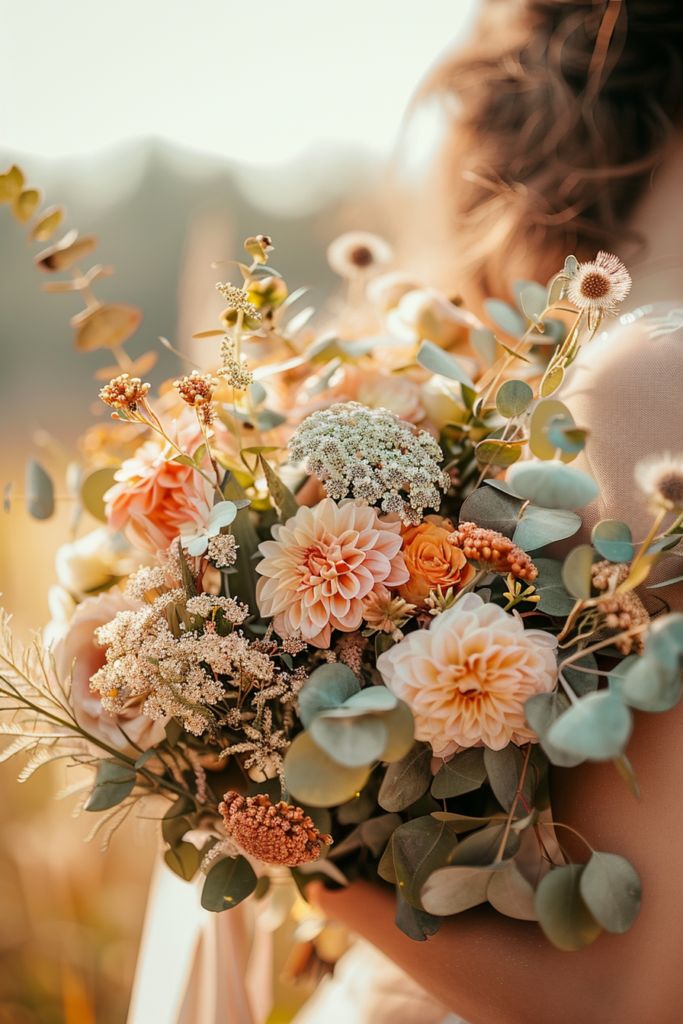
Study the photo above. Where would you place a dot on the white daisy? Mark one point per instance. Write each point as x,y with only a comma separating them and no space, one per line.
358,253
660,477
600,284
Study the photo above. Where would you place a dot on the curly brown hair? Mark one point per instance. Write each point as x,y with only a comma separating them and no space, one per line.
563,109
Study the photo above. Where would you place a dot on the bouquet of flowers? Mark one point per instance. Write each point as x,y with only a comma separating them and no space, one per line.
324,619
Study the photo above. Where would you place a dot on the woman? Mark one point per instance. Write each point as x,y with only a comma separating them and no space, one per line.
568,137
564,135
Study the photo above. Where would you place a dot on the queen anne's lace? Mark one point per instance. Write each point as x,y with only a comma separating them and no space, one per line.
372,455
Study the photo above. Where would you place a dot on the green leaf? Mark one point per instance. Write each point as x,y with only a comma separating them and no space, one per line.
495,452
350,741
580,681
665,640
545,411
509,893
228,882
40,492
313,778
372,698
183,859
505,317
417,924
113,783
597,727
539,527
576,572
93,489
563,433
400,726
554,599
513,398
437,360
561,911
552,379
612,539
175,823
418,848
552,484
454,889
480,848
406,780
530,297
611,890
242,578
483,341
541,711
492,509
464,773
328,686
649,685
503,768
282,498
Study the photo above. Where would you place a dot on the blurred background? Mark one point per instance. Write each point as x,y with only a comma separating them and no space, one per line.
171,131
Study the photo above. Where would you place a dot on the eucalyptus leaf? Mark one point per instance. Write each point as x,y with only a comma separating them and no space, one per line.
229,881
493,509
576,572
406,780
437,360
539,527
328,686
513,398
552,484
612,539
541,711
545,411
495,452
183,859
281,496
511,894
597,727
581,681
93,488
553,596
481,847
505,317
454,889
243,578
563,433
503,769
665,640
312,777
483,341
349,741
531,298
611,890
562,914
400,726
464,773
40,492
649,685
418,848
417,924
113,783
552,380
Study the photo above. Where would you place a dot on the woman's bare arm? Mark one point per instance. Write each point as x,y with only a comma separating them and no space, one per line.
494,970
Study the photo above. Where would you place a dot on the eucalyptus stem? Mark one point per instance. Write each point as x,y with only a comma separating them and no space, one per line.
513,807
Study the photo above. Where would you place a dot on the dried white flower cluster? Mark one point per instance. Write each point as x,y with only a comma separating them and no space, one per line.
183,658
223,550
372,455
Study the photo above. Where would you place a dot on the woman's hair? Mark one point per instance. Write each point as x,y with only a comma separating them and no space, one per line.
562,111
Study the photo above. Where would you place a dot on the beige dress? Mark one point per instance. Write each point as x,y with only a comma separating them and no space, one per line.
198,968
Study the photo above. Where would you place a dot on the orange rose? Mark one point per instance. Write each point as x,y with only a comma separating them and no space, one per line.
432,560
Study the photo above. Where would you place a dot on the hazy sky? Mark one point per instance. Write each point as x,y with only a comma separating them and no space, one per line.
257,81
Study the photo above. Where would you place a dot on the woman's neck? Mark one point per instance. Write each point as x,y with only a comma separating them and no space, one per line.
657,267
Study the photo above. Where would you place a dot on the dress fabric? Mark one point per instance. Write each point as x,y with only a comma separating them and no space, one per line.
198,968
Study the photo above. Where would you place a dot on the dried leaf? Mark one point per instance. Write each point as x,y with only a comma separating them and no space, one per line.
105,326
138,368
25,204
64,253
11,184
47,224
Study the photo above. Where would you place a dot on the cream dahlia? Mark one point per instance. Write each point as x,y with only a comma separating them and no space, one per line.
467,677
322,564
